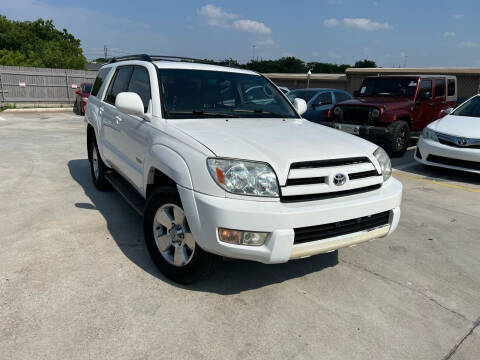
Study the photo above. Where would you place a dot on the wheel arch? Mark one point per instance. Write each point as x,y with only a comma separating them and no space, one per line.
164,166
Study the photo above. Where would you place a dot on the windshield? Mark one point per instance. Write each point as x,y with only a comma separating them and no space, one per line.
388,87
188,94
87,88
306,95
469,108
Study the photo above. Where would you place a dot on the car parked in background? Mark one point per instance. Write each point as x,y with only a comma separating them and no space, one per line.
453,141
81,97
319,101
389,109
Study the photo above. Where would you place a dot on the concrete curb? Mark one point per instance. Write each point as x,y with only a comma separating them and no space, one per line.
69,109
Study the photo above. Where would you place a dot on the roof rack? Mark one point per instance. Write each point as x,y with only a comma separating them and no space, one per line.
150,58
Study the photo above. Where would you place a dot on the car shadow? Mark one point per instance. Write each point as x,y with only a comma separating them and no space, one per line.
231,277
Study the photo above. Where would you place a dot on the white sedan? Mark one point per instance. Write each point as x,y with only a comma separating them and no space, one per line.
453,141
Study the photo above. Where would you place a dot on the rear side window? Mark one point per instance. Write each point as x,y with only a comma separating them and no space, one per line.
119,84
426,89
340,96
451,87
140,84
439,87
102,74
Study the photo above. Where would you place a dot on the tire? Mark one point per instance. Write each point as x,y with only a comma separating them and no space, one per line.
170,242
97,167
396,141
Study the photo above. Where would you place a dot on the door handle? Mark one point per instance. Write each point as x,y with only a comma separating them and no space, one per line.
118,118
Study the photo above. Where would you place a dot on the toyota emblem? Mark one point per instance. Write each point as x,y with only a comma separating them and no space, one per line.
339,179
462,141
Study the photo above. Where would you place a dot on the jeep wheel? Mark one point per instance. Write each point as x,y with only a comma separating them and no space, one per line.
97,167
396,141
169,240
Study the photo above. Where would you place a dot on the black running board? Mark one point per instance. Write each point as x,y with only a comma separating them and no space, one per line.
127,191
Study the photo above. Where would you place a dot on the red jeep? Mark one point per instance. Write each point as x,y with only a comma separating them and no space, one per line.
389,109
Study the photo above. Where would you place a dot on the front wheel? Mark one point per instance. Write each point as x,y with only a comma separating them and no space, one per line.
396,141
170,241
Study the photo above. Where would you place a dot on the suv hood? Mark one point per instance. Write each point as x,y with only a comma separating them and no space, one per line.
277,142
388,102
464,126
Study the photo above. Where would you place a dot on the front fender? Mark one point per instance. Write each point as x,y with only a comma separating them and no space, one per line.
168,162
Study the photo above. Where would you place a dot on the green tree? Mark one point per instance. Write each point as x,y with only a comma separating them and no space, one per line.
38,43
287,64
365,64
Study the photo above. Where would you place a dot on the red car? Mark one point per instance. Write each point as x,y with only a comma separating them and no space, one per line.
82,97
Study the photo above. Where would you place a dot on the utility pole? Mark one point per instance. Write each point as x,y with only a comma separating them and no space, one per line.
309,74
105,52
405,57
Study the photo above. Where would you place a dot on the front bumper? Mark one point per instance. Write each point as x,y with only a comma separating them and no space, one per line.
427,147
360,130
206,214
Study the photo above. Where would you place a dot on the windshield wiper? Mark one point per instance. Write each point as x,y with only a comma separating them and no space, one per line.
202,113
260,111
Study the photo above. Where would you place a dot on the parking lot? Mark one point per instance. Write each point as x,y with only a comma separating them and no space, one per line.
76,281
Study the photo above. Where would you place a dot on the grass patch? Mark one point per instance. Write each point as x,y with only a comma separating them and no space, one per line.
7,106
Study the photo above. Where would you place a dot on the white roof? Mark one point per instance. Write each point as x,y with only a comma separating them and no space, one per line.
197,66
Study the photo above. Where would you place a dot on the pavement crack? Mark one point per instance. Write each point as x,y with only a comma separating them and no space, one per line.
459,343
407,287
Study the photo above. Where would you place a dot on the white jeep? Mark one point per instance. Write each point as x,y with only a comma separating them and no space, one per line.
220,163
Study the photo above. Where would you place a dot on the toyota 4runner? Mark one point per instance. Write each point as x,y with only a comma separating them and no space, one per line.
389,109
219,170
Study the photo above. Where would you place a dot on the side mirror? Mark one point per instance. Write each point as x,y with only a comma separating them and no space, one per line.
300,105
129,103
446,111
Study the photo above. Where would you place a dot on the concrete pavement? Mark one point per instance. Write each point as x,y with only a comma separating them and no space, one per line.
76,281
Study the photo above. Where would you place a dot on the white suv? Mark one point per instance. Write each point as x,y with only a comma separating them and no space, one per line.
220,163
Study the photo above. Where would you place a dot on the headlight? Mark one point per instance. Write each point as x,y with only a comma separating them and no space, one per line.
244,177
375,113
338,111
384,161
429,134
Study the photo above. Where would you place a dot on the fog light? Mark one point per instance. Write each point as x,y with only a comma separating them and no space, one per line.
238,237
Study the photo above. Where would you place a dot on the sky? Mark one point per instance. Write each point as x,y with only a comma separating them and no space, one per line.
420,33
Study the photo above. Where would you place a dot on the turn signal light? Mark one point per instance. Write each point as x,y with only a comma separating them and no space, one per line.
238,237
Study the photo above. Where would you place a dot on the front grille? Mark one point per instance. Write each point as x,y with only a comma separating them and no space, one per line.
318,179
357,115
328,195
473,165
454,144
307,181
363,174
325,231
328,163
